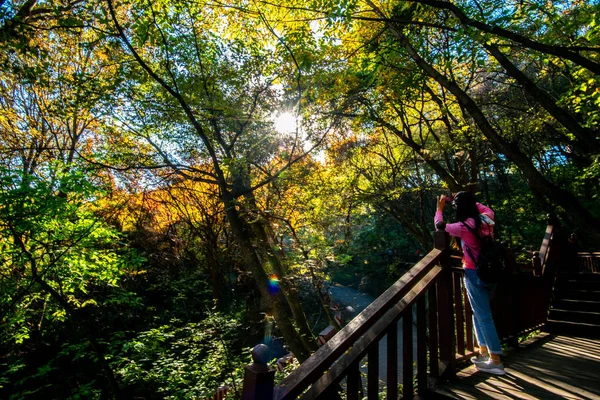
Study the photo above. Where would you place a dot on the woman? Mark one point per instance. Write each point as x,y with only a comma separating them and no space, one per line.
472,213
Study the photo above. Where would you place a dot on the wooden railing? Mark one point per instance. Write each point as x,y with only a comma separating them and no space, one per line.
430,297
588,262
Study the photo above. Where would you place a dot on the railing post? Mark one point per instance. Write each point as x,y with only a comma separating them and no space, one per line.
536,261
258,378
445,306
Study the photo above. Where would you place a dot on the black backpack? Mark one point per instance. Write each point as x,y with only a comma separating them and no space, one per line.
491,262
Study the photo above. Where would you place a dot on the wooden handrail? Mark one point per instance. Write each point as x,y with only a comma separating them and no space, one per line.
588,261
336,373
434,288
314,367
545,247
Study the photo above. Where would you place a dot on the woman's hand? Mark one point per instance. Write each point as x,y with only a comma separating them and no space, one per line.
441,202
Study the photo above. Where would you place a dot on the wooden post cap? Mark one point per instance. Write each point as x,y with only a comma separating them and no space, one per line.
260,354
258,378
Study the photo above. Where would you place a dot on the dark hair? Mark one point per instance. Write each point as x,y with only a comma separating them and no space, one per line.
466,207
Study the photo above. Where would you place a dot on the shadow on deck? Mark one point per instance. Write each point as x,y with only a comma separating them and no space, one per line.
545,367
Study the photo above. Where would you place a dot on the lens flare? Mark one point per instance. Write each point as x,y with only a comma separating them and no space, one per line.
273,284
268,330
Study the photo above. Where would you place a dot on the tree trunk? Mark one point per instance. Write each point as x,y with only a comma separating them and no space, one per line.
275,302
289,290
317,283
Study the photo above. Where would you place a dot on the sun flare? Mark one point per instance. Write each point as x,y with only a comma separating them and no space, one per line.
285,123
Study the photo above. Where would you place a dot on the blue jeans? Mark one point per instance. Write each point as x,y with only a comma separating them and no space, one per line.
480,295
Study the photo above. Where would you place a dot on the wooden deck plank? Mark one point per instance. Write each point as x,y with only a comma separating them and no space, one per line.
548,367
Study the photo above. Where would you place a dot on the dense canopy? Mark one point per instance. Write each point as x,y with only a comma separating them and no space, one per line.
181,180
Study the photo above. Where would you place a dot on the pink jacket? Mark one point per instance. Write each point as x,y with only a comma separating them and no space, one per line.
457,229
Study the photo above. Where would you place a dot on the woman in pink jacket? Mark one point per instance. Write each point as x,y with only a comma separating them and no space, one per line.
481,219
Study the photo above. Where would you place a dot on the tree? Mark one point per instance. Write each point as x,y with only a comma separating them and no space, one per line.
225,94
56,250
506,146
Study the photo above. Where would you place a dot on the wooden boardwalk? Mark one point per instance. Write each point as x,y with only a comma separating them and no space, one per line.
546,367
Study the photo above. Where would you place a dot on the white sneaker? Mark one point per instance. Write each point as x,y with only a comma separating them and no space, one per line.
480,358
491,368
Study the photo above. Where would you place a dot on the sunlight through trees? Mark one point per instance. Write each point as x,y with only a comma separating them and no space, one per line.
163,161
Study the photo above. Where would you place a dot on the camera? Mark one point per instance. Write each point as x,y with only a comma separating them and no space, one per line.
449,199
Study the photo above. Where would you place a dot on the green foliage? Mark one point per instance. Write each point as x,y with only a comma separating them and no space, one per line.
378,253
58,259
360,213
183,360
71,354
50,233
583,98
